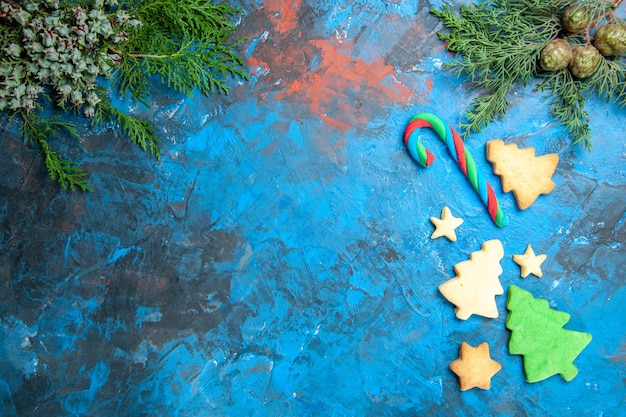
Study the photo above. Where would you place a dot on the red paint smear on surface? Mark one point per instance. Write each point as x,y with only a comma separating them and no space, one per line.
283,14
321,77
147,281
341,85
428,84
257,66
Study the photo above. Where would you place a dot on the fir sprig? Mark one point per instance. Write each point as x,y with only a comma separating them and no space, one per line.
58,51
187,49
37,130
498,50
498,44
202,20
568,96
140,132
610,81
568,104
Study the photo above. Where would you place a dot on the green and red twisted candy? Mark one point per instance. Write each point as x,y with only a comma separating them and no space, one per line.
460,154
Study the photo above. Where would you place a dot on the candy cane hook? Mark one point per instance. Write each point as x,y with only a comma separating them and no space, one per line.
460,154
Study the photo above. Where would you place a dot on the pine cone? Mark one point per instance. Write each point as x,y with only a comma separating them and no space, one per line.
610,39
8,9
585,60
575,19
556,55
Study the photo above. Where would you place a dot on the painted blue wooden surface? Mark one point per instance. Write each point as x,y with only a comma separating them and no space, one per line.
277,261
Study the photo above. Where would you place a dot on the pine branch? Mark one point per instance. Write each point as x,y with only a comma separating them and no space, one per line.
202,20
140,132
498,45
129,76
187,49
38,131
486,108
568,96
56,52
609,81
567,104
493,55
202,66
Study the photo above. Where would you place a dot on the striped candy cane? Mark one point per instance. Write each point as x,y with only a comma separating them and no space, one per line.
460,154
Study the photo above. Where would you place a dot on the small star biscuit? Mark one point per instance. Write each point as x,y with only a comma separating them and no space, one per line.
474,367
529,262
446,225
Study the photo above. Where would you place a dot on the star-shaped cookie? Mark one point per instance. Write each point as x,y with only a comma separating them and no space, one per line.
474,367
446,225
530,263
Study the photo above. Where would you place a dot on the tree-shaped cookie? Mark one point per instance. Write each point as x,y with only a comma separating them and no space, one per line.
521,171
476,283
537,333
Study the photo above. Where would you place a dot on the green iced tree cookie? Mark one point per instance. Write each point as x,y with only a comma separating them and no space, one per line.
537,333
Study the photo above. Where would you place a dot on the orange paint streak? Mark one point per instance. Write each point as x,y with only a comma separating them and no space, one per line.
429,87
283,14
322,78
341,84
256,64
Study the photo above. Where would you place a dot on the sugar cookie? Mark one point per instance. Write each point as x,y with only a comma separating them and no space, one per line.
537,333
476,283
521,171
529,262
474,367
446,225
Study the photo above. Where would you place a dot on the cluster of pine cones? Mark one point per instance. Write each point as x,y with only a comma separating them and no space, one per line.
582,59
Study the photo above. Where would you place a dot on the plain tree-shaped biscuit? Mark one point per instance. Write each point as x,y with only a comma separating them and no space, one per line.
476,283
520,171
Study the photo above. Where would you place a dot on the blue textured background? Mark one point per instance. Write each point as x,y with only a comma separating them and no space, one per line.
276,260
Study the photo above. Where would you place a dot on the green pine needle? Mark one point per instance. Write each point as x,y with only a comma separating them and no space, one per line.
498,44
486,108
567,102
187,45
37,130
140,132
